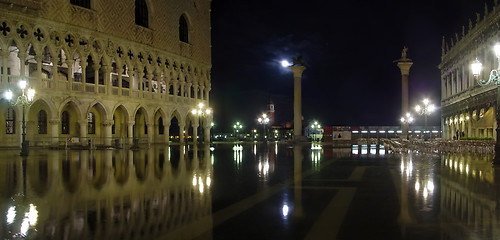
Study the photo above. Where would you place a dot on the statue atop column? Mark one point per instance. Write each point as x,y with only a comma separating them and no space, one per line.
298,61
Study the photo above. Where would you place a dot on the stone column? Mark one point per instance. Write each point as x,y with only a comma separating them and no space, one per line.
404,65
130,131
22,58
5,64
119,69
195,126
206,131
54,125
83,132
297,101
70,63
151,132
166,131
84,64
108,124
181,132
96,76
107,79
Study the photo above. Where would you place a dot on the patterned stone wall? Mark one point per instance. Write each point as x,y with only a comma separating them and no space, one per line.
116,19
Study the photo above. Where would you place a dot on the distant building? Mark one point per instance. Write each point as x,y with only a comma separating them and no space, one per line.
270,112
105,70
468,109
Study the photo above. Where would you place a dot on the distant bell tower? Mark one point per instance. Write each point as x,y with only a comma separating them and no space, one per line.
270,111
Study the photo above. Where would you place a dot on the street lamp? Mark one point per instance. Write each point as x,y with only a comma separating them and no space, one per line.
494,78
25,99
407,119
315,127
264,120
201,111
425,110
237,127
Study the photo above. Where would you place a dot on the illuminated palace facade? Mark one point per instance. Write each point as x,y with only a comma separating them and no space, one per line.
468,109
108,71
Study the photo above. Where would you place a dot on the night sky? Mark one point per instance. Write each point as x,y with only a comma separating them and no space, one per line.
349,48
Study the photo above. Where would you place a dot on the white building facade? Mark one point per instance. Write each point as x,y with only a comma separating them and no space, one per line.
468,109
107,71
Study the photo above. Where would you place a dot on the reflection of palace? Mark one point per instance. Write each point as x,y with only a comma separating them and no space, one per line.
117,194
468,110
469,197
105,70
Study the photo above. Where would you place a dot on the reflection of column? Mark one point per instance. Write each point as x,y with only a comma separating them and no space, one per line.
297,180
404,214
195,163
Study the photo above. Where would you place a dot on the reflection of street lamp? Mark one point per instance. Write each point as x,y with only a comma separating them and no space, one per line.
494,78
25,99
426,110
406,120
201,111
264,120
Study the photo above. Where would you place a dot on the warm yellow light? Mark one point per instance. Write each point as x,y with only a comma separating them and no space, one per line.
208,111
496,48
31,94
194,111
8,95
476,67
418,108
200,105
22,84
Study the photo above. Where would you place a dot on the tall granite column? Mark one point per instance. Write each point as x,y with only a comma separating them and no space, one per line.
297,101
404,64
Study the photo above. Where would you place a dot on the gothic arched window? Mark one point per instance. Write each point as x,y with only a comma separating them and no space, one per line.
81,3
91,123
10,121
42,122
65,123
183,30
141,13
161,128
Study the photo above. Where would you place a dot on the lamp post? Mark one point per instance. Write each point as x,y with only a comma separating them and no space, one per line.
201,111
425,110
237,127
406,120
25,99
264,120
494,78
315,127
